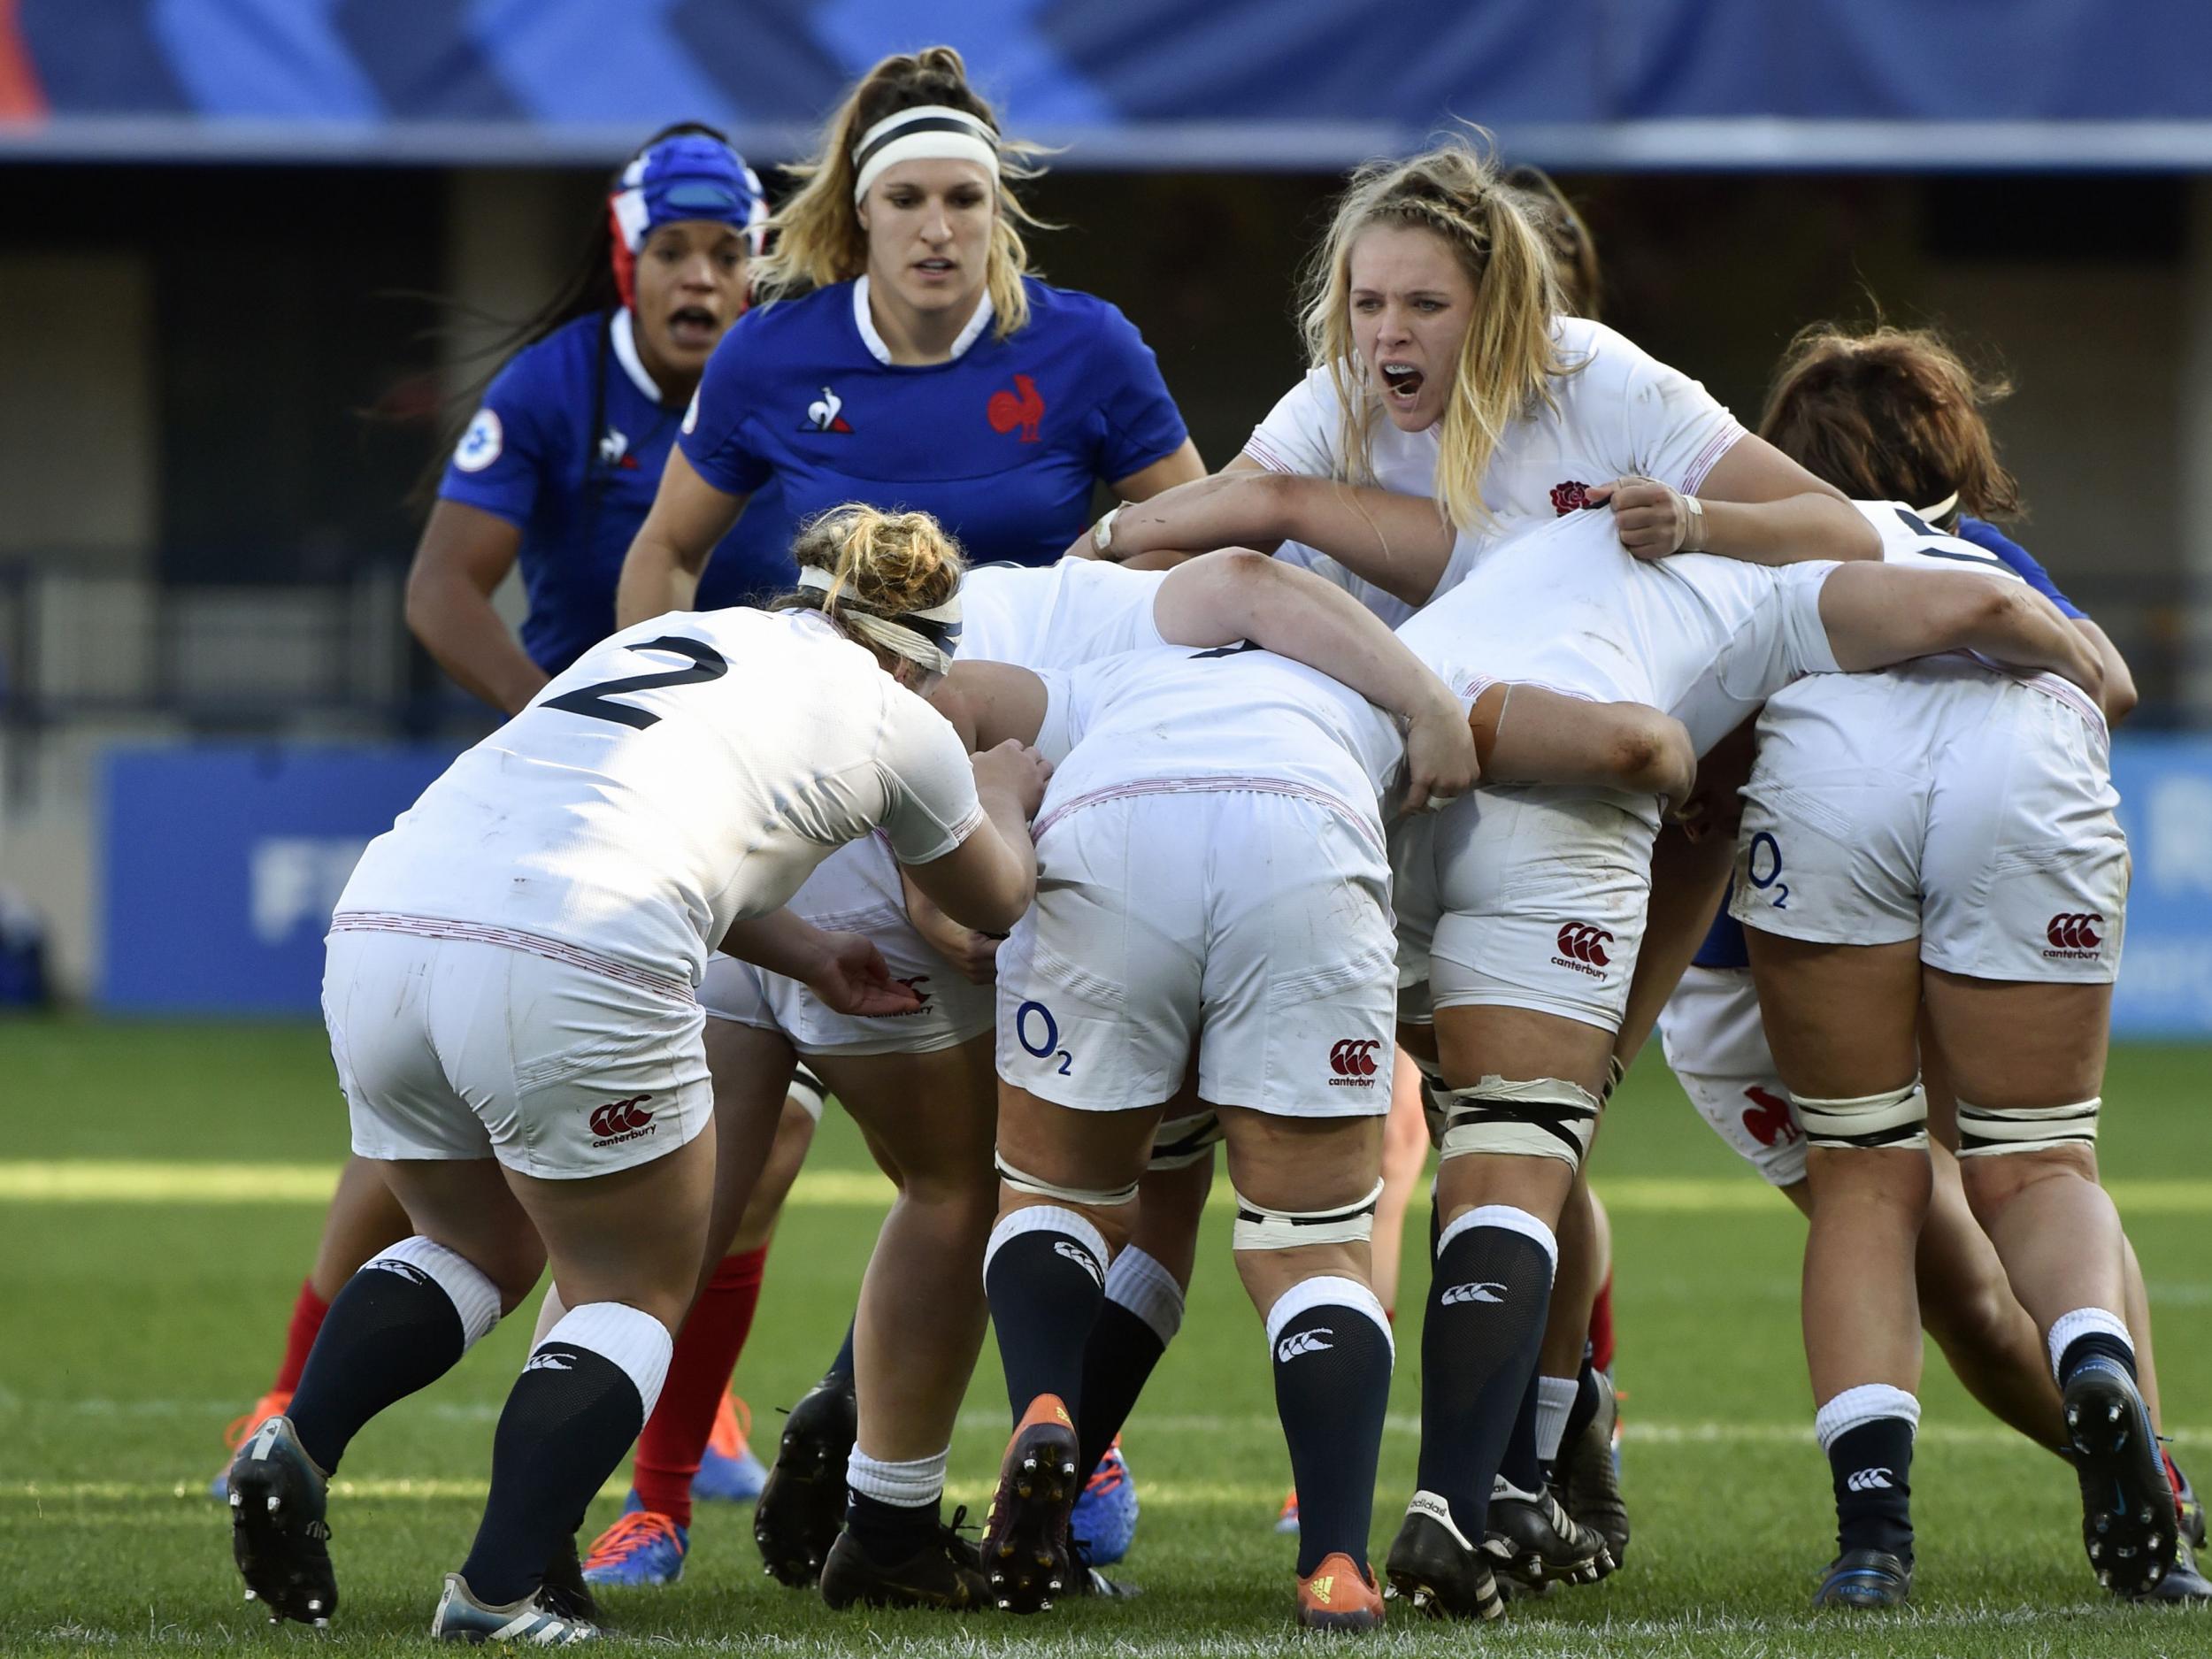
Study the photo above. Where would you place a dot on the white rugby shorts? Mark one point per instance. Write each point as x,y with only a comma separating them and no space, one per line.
457,1047
1254,926
1717,1050
854,890
1524,897
1944,804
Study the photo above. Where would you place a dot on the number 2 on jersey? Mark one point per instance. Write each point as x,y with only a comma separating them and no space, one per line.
598,701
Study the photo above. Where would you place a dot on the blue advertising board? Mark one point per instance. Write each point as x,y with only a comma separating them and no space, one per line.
223,862
2165,785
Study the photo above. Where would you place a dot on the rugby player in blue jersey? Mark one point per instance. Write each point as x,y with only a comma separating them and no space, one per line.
902,357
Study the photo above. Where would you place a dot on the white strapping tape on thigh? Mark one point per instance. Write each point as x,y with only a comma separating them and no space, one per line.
808,1090
1541,1118
1259,1228
1991,1131
1894,1118
1021,1181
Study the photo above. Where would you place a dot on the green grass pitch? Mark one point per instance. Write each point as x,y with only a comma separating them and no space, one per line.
144,1300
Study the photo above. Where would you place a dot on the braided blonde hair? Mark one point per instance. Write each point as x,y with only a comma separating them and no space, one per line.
816,237
1508,357
883,564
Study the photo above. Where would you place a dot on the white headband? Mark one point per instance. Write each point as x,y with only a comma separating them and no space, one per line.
926,637
1931,514
934,132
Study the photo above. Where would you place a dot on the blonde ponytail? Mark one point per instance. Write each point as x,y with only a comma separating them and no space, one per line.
884,565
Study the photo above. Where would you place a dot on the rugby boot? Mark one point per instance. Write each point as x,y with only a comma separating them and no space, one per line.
2188,1508
275,1403
1025,1554
564,1592
1340,1595
2128,1522
802,1506
728,1471
1105,1518
642,1548
1433,1567
1589,1484
2185,1583
1534,1542
1090,1581
462,1617
278,1533
1287,1517
939,1575
1864,1580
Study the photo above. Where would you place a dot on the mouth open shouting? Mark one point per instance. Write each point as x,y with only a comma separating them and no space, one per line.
693,328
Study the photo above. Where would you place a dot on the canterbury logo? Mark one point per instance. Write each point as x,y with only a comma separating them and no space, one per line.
1303,1342
1081,1258
1352,1060
1478,1292
2075,931
1869,1480
1584,942
548,1361
619,1119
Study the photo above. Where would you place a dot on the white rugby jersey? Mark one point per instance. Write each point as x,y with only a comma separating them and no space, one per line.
1233,718
682,775
1034,616
1564,606
1056,616
1909,540
1620,411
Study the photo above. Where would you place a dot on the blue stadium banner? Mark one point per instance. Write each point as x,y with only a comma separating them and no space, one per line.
222,864
2165,785
1141,83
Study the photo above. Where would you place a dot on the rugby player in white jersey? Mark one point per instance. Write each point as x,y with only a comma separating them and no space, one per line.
1522,911
922,1085
510,996
1943,836
1216,895
1443,364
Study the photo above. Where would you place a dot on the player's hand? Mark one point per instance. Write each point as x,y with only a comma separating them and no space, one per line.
853,978
1018,770
1649,516
1441,764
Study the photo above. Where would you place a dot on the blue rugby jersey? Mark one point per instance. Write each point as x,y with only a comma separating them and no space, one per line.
1002,443
568,446
1990,539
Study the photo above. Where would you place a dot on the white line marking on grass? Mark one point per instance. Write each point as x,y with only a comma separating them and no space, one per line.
1634,1430
124,1181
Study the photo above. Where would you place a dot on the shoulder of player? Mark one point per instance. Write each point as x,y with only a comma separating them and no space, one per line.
787,332
1596,357
1070,318
549,375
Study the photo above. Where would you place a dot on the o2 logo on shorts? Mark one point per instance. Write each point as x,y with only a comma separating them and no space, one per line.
1778,891
1039,1034
1353,1061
